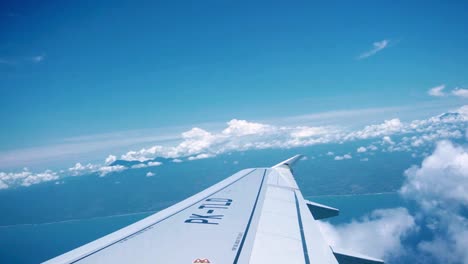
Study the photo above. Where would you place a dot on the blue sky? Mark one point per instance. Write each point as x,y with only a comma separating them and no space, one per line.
70,69
375,93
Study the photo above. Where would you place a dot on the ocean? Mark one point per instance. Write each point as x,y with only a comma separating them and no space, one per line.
45,220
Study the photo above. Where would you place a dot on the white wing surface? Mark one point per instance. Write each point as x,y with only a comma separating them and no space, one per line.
255,216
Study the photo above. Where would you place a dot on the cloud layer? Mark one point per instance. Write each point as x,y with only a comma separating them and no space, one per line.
241,135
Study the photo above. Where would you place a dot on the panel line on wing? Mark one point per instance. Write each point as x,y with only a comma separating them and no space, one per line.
250,220
301,228
153,224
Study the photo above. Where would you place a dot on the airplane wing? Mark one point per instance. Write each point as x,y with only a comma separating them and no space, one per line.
255,216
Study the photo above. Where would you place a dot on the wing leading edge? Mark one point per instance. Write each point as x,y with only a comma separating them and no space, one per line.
255,216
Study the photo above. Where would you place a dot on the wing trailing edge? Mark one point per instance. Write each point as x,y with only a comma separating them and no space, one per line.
320,211
348,257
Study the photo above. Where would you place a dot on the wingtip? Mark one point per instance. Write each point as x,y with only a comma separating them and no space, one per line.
289,162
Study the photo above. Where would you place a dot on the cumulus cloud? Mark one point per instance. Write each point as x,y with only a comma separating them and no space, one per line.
47,175
442,178
378,234
239,135
26,178
200,156
110,159
361,150
305,132
388,140
104,170
143,154
150,174
460,92
139,166
437,91
388,127
145,165
154,163
242,135
377,46
372,147
242,127
80,169
439,186
346,156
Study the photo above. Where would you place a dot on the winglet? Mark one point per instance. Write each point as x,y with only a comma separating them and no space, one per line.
289,162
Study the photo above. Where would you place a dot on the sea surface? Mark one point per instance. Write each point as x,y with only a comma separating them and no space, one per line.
42,221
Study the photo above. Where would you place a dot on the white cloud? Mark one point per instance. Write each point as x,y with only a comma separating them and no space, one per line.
104,170
177,160
440,187
460,92
388,140
145,165
143,154
372,147
377,46
329,153
110,159
200,156
437,91
242,135
378,234
388,127
154,163
239,135
346,156
270,136
450,239
361,149
26,178
47,175
442,177
305,132
150,174
242,128
80,169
